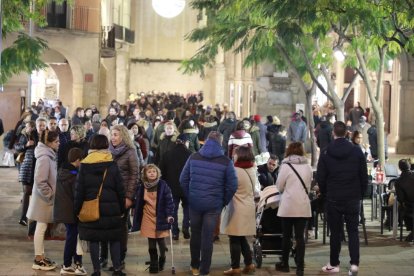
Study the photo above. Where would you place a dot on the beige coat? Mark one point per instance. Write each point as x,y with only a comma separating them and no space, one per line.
44,187
239,217
295,201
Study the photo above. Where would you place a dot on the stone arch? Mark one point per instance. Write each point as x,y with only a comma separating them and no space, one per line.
77,77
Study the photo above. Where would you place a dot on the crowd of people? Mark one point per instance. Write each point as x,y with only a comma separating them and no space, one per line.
149,155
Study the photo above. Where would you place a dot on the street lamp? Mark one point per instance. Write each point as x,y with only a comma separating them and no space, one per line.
168,8
338,54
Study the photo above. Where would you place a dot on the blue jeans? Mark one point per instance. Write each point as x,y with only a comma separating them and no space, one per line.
186,215
337,212
201,242
70,245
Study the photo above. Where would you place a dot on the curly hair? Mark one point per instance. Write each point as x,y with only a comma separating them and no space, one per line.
79,130
126,138
148,167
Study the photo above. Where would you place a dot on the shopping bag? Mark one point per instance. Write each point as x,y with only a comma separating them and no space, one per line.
7,158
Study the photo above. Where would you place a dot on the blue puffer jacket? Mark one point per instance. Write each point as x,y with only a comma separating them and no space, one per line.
209,179
164,209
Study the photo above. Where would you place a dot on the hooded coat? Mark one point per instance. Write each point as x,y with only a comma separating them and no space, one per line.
65,194
295,200
238,138
226,127
43,194
110,226
342,171
209,179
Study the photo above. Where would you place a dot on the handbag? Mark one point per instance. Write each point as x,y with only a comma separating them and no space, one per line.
90,208
300,178
20,157
256,191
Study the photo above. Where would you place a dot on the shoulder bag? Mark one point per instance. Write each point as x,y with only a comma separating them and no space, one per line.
90,208
256,193
300,178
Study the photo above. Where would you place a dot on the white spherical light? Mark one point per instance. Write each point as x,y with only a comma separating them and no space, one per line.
168,8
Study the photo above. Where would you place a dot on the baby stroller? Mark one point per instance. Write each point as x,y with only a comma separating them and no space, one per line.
268,239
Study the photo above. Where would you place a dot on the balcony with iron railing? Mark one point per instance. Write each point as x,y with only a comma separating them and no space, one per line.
75,17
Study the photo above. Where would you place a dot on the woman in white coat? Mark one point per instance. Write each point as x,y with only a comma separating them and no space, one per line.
294,181
41,203
238,219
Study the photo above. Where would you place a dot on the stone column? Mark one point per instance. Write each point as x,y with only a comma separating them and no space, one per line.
122,74
220,79
405,143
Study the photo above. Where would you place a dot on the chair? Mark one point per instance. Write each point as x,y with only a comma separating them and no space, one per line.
402,214
326,226
385,209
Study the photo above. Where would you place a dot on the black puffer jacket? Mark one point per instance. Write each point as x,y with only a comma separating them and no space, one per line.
342,171
110,225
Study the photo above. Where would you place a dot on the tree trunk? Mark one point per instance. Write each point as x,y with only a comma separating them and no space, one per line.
376,103
311,126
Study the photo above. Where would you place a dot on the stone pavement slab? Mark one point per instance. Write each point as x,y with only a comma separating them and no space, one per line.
383,255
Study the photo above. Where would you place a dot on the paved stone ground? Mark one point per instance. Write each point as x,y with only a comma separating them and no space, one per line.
383,255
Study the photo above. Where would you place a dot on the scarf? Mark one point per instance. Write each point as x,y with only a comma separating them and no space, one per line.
118,150
150,185
244,164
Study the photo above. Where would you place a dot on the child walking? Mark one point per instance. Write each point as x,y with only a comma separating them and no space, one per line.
63,211
153,216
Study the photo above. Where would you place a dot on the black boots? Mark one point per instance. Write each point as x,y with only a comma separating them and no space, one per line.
186,234
161,263
153,261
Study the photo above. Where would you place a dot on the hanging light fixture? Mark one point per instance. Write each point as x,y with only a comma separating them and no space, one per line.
168,8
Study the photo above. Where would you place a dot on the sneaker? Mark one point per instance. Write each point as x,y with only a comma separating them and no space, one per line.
353,270
311,234
43,265
50,261
80,270
23,222
67,270
330,269
195,271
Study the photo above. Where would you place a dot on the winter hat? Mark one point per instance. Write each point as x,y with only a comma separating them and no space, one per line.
182,138
256,118
276,120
